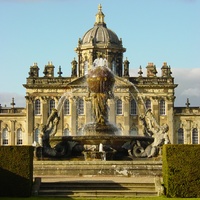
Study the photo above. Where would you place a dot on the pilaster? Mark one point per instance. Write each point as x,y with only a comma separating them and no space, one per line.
170,118
30,118
112,114
74,121
126,106
45,110
88,112
13,132
188,131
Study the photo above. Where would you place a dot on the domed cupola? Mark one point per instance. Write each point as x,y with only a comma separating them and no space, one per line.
100,41
100,34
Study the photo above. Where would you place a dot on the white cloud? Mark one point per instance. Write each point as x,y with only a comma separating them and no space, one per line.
192,92
6,99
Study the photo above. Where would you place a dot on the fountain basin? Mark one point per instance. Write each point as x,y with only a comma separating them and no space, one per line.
114,141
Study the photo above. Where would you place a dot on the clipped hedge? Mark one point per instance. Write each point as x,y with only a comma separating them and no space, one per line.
16,171
181,170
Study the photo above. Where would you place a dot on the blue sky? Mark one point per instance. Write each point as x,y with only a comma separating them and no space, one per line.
48,30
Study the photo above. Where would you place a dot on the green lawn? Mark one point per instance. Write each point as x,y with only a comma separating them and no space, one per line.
128,198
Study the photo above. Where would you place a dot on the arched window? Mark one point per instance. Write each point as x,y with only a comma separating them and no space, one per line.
133,107
51,105
148,104
37,107
86,67
5,136
36,135
162,107
180,136
133,132
19,136
114,67
66,132
66,107
81,107
195,137
119,107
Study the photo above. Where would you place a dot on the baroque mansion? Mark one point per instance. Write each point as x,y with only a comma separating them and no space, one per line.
132,95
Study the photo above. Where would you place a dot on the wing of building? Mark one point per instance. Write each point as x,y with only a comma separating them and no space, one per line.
132,95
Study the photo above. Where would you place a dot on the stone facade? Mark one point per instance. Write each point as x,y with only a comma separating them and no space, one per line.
132,95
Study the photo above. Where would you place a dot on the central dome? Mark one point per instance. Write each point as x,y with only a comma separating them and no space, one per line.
100,34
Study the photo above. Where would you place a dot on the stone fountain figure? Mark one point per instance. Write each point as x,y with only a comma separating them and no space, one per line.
100,83
153,129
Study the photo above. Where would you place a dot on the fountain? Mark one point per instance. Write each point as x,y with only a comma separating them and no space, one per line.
101,139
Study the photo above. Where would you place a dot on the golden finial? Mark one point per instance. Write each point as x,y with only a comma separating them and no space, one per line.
100,7
99,16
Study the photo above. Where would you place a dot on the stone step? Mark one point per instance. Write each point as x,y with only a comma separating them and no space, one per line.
100,168
97,178
99,194
102,185
99,189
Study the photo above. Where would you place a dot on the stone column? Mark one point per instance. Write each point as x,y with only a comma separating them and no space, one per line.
30,118
112,113
188,131
45,110
88,112
13,132
170,118
156,108
141,111
73,108
126,106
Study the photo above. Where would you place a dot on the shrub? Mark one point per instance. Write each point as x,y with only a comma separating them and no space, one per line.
16,171
181,174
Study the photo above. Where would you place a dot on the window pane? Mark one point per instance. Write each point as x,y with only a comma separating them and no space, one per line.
19,136
133,107
36,135
180,136
66,107
119,107
66,132
37,107
162,107
80,107
86,67
195,139
5,136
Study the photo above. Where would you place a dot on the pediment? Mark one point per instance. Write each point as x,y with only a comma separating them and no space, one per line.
82,82
78,82
122,82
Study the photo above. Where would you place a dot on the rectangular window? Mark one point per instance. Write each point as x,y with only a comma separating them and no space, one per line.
119,107
66,107
81,107
19,142
133,107
162,107
5,142
195,137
